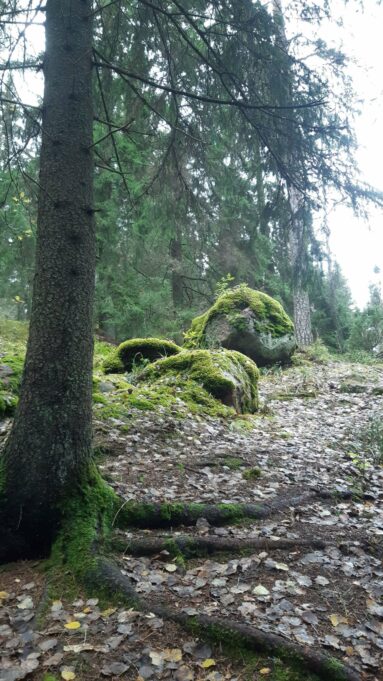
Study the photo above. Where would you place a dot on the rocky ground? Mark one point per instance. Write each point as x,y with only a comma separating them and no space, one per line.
316,447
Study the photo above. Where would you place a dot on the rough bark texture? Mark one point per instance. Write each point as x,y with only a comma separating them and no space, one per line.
297,252
50,442
297,246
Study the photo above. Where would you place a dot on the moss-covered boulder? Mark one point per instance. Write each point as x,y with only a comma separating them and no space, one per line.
248,321
137,351
227,375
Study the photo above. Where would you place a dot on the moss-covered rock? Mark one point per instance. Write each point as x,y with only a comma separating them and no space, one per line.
136,351
227,375
248,321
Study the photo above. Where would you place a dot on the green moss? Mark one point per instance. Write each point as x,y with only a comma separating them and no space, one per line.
8,403
49,677
113,365
218,372
270,315
137,351
13,335
252,474
232,462
87,514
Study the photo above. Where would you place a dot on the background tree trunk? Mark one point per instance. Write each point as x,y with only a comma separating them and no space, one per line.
50,442
297,255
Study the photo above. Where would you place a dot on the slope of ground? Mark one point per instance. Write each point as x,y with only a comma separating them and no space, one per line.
309,570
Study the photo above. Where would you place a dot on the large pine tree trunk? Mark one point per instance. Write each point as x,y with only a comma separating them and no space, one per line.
50,442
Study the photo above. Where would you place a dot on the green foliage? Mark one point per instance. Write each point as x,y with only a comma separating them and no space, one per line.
371,438
270,315
367,329
316,352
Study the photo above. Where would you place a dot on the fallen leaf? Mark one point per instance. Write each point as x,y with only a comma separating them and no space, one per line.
261,590
26,604
108,612
172,654
209,662
338,619
72,625
68,676
265,671
156,658
114,669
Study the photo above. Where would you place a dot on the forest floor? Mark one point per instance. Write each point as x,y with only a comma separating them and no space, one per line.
319,428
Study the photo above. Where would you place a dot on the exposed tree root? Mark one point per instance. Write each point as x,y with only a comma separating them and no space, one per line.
157,515
191,546
136,514
106,576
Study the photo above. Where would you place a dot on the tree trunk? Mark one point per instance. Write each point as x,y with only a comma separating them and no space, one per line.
50,443
297,253
175,252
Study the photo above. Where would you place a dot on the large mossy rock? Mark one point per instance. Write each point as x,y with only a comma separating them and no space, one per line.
228,376
135,351
248,321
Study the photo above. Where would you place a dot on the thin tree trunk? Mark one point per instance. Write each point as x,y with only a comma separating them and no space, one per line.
296,241
297,255
50,442
175,252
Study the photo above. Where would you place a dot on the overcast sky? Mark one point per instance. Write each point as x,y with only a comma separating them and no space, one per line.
358,245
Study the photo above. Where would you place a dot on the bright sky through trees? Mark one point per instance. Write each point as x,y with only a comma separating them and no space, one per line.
356,244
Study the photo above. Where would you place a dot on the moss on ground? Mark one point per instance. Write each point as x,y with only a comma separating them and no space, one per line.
252,474
137,351
270,316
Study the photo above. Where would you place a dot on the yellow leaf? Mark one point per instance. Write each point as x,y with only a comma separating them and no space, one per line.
4,594
68,676
87,610
72,625
338,619
56,603
108,612
265,670
209,662
172,654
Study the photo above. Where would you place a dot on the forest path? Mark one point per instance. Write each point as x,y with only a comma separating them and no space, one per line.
311,571
318,430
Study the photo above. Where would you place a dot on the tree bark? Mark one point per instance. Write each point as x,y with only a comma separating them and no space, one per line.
297,254
50,443
175,252
296,239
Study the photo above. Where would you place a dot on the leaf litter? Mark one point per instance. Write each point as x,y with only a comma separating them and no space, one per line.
330,598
